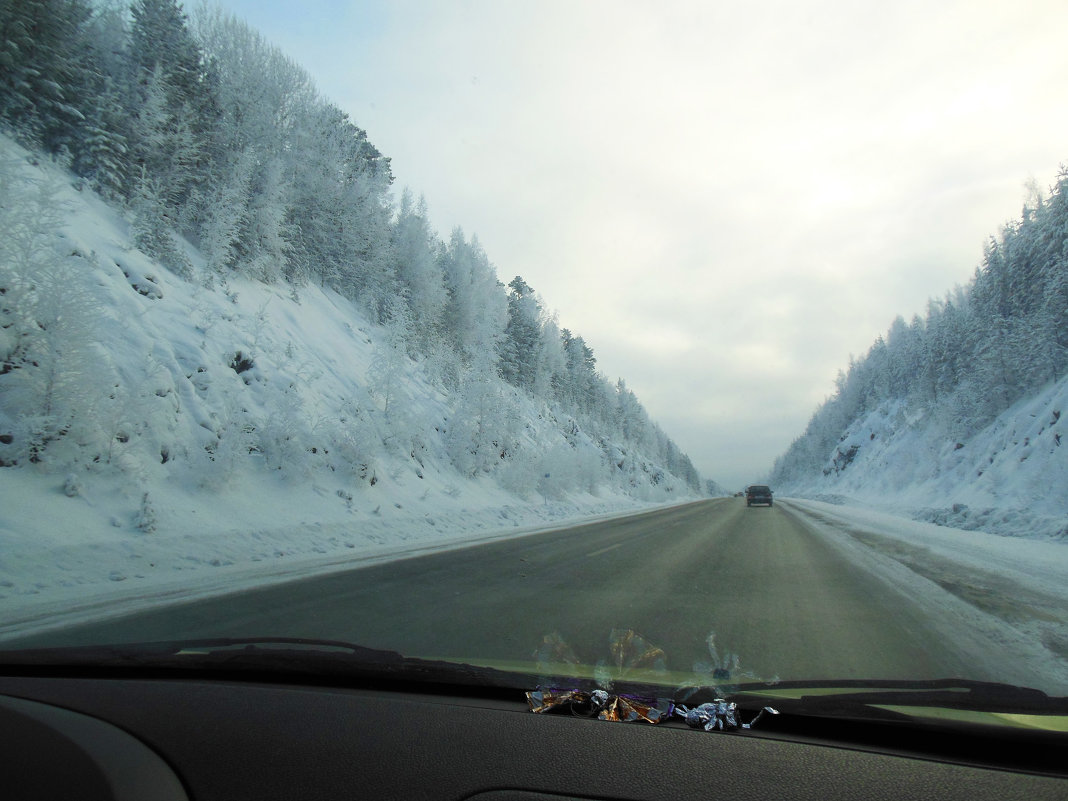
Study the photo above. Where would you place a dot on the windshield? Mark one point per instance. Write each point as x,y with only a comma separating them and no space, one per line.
453,330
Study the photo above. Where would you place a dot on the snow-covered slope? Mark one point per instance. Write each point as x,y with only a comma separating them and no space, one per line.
955,417
1010,478
179,434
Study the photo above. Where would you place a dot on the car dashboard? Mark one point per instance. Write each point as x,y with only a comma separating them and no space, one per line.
169,738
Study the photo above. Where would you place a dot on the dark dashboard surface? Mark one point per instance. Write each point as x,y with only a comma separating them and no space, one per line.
90,737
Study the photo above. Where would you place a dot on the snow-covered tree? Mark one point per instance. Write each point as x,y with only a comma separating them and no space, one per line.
417,270
550,364
578,386
476,311
518,348
214,141
53,374
390,364
43,80
482,428
979,349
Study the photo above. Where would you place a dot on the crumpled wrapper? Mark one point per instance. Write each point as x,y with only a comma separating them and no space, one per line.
721,715
601,705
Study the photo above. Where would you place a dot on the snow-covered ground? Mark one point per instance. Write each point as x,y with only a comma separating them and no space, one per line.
67,559
1011,478
222,432
1002,601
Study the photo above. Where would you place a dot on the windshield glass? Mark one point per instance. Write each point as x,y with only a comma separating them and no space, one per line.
457,330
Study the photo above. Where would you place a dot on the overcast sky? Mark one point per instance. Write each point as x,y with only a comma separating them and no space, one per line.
725,199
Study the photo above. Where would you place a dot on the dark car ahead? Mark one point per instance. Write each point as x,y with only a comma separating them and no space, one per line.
757,493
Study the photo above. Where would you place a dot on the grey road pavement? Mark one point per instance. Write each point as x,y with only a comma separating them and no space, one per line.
759,581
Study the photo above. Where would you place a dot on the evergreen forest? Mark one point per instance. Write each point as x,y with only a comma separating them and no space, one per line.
227,162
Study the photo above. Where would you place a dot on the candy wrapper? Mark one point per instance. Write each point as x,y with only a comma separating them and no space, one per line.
630,652
601,705
719,714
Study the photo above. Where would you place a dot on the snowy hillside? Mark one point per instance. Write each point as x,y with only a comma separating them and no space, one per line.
155,427
1011,478
956,418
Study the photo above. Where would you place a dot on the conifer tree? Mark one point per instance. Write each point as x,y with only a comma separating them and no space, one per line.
519,346
175,111
43,80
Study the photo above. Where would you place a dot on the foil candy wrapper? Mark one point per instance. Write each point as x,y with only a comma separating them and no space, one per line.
719,715
629,651
601,705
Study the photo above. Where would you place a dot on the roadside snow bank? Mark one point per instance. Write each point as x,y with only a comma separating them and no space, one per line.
1012,591
67,559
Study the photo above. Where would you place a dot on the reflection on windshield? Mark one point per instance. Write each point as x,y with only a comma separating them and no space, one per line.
630,658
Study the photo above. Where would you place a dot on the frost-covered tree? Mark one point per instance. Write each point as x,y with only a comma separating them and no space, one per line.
631,419
418,272
518,347
977,351
476,311
1051,328
341,212
29,216
101,154
481,434
550,360
43,79
57,90
153,228
53,374
224,235
101,151
214,140
167,152
390,364
175,109
578,386
259,168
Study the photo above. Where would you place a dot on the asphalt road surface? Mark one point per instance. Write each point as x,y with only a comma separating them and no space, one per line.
764,584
